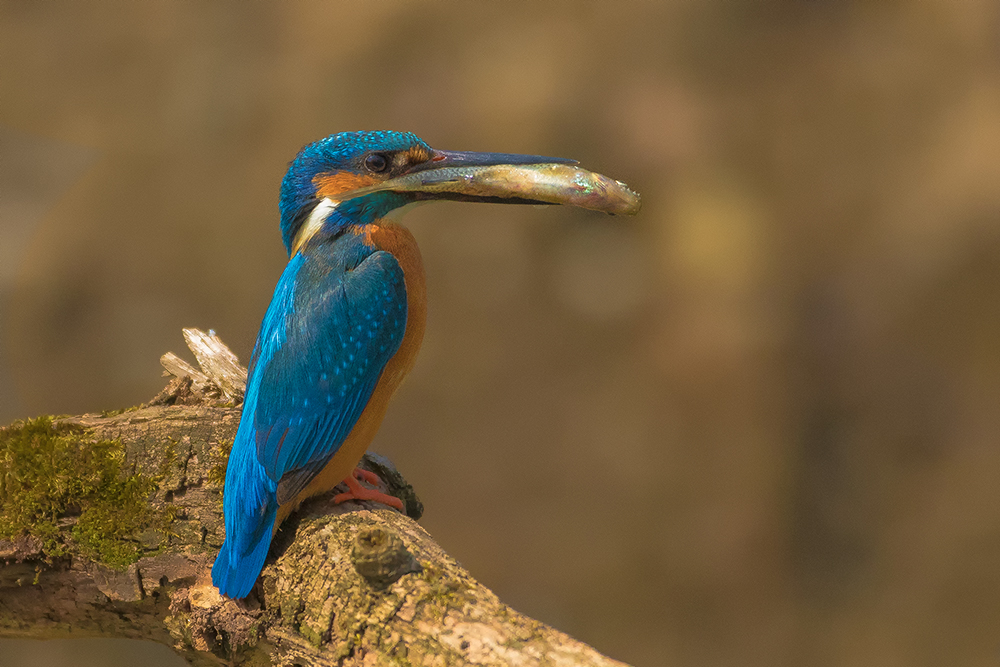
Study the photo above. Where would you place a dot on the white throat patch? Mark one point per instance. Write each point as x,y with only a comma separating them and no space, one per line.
313,223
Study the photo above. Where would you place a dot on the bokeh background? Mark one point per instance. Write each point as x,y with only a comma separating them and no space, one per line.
756,425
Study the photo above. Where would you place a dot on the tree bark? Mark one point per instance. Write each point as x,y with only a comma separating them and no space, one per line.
348,584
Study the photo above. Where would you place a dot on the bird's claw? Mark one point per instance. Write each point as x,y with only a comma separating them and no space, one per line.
358,492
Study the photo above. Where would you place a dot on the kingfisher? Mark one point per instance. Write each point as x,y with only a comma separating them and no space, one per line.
348,316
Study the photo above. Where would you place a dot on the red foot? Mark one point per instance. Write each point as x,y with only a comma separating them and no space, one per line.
358,492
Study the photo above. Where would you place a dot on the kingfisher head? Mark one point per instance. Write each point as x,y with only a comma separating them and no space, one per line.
354,178
324,173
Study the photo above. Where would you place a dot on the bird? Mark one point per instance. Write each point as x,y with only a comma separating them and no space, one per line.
346,322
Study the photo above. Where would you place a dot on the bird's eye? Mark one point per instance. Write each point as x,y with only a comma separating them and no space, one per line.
376,162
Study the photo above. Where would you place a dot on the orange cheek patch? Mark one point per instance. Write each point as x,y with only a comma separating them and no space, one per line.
332,184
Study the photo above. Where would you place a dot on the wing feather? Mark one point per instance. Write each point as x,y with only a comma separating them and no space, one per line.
322,369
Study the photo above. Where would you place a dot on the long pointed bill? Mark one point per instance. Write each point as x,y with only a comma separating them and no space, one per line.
511,179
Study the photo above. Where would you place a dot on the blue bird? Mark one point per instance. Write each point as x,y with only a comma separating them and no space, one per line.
347,320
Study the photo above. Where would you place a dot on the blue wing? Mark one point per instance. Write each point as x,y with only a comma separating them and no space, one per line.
326,337
340,337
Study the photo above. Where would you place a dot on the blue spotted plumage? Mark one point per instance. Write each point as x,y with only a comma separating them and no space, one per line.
319,354
340,334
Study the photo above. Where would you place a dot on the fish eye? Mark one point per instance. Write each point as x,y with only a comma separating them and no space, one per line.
376,162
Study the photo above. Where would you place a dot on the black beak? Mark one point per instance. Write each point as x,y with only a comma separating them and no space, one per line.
444,159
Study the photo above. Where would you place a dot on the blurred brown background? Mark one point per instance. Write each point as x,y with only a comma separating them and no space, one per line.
756,425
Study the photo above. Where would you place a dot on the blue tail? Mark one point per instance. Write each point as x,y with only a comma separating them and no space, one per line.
250,507
235,572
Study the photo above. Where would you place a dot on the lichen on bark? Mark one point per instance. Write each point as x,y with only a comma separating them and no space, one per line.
109,525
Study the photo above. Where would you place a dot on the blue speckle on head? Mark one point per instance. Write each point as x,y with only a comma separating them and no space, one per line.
344,151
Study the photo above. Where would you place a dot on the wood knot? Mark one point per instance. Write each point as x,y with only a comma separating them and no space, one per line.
380,557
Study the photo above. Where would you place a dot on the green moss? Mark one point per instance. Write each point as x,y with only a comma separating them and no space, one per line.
169,457
220,457
49,472
311,636
291,611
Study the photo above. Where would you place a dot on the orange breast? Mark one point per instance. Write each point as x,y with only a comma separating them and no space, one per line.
399,242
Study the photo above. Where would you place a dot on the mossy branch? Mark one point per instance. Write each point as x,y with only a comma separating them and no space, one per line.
109,525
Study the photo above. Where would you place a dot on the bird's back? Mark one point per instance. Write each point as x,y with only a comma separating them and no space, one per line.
341,333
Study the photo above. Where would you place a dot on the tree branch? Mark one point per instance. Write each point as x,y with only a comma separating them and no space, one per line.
112,523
